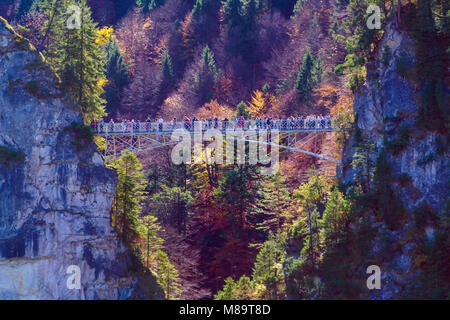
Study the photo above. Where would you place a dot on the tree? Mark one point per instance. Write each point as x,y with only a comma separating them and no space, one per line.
129,195
243,289
167,69
309,75
117,75
311,196
76,55
275,199
268,268
167,276
363,165
172,205
334,219
241,110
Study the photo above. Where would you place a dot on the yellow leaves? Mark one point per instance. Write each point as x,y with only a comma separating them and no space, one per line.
102,82
258,104
261,103
148,23
103,35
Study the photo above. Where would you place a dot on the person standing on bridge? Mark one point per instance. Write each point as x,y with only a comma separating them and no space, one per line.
149,124
160,124
111,125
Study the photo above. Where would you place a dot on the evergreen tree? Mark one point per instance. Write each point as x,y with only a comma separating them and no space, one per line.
117,75
363,165
305,83
167,276
275,200
129,195
171,205
75,54
334,220
311,196
241,110
166,65
268,269
209,61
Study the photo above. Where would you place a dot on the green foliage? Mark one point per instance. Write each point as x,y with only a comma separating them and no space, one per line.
274,201
309,75
75,55
268,268
172,205
167,66
241,110
117,75
359,45
298,7
363,165
167,276
129,196
239,290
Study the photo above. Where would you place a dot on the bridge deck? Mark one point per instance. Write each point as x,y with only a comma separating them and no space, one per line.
168,128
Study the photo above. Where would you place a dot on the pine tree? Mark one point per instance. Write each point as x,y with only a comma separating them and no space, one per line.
304,83
209,61
334,219
311,196
166,66
241,110
268,268
171,205
117,75
275,200
75,54
130,192
167,276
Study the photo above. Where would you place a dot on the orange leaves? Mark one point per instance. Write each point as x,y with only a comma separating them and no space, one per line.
212,109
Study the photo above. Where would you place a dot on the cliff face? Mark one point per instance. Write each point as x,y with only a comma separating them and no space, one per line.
55,196
385,106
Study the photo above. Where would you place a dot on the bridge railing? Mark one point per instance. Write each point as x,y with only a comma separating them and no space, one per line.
157,127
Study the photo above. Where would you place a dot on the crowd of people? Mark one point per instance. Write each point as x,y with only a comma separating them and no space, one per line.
284,123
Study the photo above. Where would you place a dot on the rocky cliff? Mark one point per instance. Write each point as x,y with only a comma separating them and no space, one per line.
386,107
55,192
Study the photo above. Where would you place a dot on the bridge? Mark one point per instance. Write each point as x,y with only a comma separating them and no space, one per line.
138,137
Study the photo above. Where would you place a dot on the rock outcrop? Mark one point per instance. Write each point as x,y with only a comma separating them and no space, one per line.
385,104
55,192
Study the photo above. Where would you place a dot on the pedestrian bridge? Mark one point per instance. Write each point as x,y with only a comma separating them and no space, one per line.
138,137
